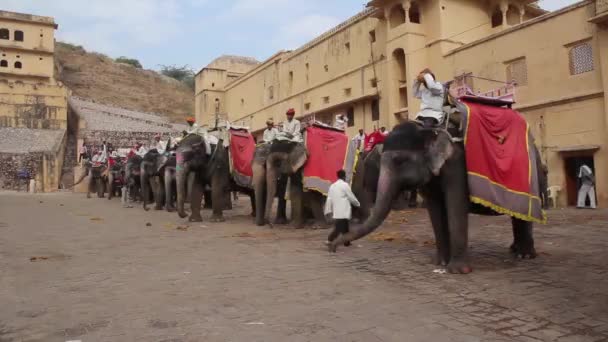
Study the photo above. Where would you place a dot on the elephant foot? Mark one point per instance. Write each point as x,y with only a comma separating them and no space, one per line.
441,260
195,218
523,250
158,208
280,220
170,209
88,195
459,267
217,218
253,214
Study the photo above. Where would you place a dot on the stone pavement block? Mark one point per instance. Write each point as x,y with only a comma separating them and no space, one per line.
121,281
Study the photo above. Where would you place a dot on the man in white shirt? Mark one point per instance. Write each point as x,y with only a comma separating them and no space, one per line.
339,201
160,146
359,139
383,131
585,174
292,127
341,122
141,150
270,133
431,93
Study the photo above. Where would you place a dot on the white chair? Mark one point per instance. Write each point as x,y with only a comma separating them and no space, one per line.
553,194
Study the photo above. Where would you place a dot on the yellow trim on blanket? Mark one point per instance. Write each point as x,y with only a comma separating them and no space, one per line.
466,135
354,170
505,211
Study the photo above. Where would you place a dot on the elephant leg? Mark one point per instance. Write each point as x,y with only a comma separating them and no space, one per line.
297,203
281,188
168,183
437,214
456,196
90,186
252,200
523,240
159,192
100,188
110,186
413,199
208,199
218,198
271,191
196,199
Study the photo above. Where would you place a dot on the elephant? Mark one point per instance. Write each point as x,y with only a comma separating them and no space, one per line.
132,178
115,179
273,165
429,160
157,174
97,180
202,171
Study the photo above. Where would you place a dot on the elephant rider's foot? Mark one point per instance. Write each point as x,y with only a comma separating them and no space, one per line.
197,218
523,250
459,266
217,218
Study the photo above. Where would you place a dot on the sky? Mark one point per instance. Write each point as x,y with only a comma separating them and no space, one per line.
194,32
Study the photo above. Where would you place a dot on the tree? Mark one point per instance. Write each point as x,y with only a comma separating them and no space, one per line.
130,61
184,74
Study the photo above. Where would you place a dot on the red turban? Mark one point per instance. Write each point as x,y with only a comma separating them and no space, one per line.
291,111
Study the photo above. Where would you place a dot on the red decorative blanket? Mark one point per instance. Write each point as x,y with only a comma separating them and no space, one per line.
327,151
501,163
242,147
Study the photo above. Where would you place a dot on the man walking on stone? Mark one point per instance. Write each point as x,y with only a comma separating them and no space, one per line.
339,201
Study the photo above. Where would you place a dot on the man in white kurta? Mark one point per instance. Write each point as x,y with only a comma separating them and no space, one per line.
587,189
431,92
270,133
340,198
292,127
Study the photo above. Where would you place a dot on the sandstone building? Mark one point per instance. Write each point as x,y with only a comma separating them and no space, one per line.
365,67
33,105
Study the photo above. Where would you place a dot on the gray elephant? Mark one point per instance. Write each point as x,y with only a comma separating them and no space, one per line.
428,159
273,166
97,180
157,175
116,175
133,179
196,170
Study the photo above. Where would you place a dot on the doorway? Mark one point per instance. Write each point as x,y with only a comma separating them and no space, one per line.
573,165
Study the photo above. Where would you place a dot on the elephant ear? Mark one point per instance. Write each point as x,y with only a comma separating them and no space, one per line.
439,148
297,157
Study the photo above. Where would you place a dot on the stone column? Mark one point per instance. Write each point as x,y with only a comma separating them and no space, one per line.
504,7
522,12
407,4
387,18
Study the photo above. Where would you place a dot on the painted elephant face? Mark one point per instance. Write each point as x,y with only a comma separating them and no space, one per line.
413,155
191,151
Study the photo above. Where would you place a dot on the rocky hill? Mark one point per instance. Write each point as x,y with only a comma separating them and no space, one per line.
97,77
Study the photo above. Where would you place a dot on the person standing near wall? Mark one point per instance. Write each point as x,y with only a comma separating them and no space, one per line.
587,187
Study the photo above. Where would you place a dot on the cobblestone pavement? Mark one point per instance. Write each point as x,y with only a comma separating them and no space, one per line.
89,270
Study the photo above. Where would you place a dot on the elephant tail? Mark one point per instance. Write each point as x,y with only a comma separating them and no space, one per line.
84,175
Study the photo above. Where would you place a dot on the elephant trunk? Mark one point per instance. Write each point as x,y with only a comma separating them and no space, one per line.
388,189
271,187
169,172
144,178
259,189
181,180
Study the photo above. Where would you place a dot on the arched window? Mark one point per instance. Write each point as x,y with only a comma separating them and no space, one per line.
513,16
18,65
397,16
414,13
4,34
400,71
497,18
19,36
4,63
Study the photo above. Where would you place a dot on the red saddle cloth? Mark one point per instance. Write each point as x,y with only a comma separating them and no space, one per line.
327,149
501,163
242,148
